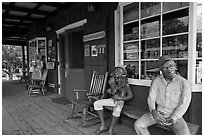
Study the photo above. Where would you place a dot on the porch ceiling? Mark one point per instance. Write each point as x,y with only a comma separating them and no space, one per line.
17,17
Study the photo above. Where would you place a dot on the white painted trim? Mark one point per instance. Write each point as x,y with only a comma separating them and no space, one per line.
139,82
60,31
197,88
192,42
58,73
71,26
117,36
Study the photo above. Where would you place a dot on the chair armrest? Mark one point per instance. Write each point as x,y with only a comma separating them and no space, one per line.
77,91
80,90
93,94
36,80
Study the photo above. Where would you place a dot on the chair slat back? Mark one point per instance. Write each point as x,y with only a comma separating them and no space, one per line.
98,83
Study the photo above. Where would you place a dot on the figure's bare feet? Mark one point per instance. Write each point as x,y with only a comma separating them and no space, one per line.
101,129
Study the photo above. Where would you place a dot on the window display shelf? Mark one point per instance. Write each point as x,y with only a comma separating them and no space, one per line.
37,46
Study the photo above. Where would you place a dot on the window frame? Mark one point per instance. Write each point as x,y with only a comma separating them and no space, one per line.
191,59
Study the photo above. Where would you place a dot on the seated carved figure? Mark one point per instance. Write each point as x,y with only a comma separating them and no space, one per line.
120,91
168,100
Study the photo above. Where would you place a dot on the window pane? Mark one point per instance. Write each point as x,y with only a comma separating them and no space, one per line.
176,22
131,12
131,51
199,31
199,45
167,6
182,66
150,27
150,49
198,71
149,70
131,31
175,46
132,69
150,8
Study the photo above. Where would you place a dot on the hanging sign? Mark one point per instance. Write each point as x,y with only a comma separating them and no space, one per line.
94,36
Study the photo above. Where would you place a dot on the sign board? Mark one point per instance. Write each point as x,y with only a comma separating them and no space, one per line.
94,36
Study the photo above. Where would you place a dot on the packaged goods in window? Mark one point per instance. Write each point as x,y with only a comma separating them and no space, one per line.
149,30
132,69
150,49
131,51
131,33
199,73
131,37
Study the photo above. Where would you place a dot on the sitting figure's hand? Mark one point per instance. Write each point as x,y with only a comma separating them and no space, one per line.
169,121
158,117
111,91
117,97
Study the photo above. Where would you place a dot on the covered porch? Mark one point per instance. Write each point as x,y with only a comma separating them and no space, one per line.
42,115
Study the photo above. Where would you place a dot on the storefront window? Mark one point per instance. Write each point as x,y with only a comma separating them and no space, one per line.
149,70
131,51
168,6
182,66
131,12
175,22
131,31
199,30
150,8
199,45
162,28
150,27
132,69
150,49
175,46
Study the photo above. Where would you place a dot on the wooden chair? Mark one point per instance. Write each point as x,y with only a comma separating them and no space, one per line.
95,92
38,84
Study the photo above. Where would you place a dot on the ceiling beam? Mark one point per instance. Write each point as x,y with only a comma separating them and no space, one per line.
14,42
14,23
21,9
54,4
20,18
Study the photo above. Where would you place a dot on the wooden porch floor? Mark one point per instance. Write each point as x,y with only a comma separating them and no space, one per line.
41,115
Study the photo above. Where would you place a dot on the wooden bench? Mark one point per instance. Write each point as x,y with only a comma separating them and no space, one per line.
138,105
135,113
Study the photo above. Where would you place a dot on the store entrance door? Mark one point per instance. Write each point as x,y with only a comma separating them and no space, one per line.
72,62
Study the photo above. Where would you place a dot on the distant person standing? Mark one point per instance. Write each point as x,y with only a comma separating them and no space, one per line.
168,100
37,71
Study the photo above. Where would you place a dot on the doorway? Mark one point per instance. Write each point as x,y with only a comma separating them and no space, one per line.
71,61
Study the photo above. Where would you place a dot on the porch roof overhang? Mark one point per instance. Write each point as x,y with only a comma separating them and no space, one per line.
17,18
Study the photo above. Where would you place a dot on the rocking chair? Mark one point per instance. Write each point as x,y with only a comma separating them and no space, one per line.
95,92
38,84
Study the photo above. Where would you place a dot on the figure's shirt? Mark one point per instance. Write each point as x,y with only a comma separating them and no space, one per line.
172,98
